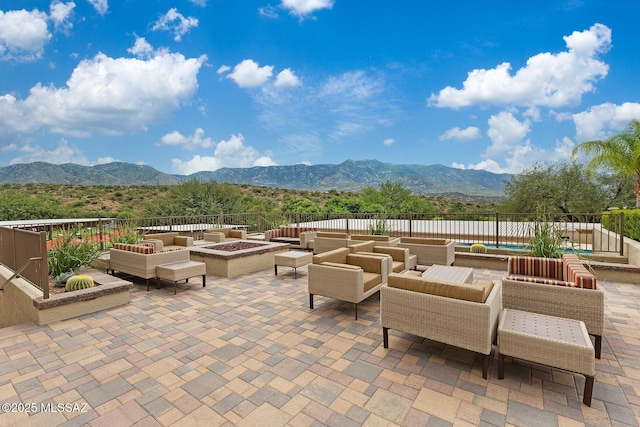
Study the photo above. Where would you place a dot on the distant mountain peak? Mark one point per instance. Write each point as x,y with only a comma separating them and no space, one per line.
350,175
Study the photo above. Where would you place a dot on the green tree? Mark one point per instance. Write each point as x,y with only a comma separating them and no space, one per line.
302,205
620,154
19,206
554,188
197,198
393,198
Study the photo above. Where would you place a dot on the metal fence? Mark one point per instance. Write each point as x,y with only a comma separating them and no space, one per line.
497,229
581,231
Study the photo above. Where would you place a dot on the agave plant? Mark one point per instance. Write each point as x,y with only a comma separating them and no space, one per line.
68,254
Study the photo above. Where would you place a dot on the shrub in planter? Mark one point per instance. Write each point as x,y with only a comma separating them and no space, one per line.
69,254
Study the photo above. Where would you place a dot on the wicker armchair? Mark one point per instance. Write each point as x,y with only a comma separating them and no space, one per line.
430,251
400,259
462,315
345,276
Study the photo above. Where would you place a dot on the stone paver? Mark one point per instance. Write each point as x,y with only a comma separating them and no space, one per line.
248,351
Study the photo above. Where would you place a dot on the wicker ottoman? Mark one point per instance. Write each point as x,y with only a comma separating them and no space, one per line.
547,340
293,259
181,271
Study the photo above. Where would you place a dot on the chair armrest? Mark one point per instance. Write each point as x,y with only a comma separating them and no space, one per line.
214,237
183,240
398,254
238,234
307,237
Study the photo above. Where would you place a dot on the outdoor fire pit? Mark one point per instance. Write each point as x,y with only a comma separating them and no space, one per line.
230,259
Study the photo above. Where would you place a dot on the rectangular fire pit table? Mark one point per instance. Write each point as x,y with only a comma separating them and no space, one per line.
177,271
547,340
236,258
293,259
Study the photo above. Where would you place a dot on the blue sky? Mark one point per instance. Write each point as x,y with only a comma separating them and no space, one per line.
190,85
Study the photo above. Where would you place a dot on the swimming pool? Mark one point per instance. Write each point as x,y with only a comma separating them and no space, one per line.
523,248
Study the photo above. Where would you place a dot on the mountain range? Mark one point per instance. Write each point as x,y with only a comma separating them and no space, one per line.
347,176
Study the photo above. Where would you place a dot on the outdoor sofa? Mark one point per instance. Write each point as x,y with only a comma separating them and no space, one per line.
556,287
459,314
168,240
345,276
219,235
142,260
381,240
297,237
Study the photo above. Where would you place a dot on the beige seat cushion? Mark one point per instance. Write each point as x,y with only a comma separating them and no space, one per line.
371,280
477,292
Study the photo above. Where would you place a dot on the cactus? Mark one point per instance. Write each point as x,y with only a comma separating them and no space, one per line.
478,248
80,281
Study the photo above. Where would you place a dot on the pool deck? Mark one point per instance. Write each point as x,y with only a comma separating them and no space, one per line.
248,351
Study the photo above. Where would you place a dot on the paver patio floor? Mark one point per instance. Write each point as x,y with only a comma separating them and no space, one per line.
248,351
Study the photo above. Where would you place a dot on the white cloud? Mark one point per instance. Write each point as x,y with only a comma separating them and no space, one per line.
60,13
63,153
339,106
197,140
23,35
456,133
506,132
601,121
201,3
301,8
286,78
551,80
101,6
232,153
141,48
525,155
268,12
173,21
249,74
389,142
105,160
223,69
108,95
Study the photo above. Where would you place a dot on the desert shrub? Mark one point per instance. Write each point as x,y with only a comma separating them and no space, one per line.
546,241
70,253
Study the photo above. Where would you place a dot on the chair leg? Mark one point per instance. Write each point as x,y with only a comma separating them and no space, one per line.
485,366
311,301
500,366
588,390
356,307
385,337
204,280
598,346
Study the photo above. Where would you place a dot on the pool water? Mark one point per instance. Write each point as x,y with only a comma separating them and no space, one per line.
523,248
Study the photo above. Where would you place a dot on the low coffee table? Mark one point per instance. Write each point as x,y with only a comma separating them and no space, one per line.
449,274
547,340
293,259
